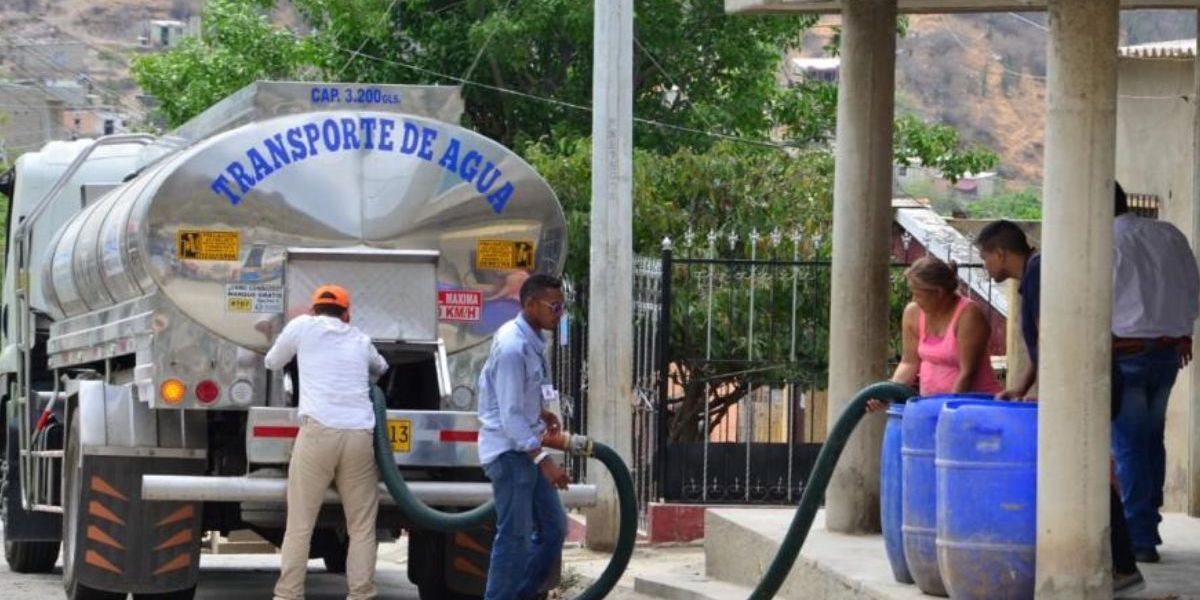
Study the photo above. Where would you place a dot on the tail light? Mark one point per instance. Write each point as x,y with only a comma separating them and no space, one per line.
172,391
207,392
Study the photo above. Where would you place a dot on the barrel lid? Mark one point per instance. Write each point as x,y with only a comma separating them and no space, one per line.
921,417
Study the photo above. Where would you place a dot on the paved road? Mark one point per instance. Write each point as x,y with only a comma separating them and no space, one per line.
236,577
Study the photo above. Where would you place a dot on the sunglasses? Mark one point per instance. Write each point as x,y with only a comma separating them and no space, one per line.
555,307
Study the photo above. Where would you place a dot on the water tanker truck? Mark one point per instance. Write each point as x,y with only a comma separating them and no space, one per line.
145,277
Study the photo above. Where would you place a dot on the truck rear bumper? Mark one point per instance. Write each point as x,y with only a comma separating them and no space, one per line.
274,491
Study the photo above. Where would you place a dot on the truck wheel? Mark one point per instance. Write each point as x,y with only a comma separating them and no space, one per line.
72,493
334,556
187,594
31,557
22,556
427,567
438,591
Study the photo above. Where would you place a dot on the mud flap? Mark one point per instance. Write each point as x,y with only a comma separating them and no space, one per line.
464,560
134,545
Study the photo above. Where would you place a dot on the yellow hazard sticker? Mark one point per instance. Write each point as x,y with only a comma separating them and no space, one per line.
239,304
195,244
503,254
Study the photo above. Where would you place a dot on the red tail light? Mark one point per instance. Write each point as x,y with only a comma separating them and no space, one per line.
207,392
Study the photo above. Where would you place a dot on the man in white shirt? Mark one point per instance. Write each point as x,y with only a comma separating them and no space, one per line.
337,365
1156,299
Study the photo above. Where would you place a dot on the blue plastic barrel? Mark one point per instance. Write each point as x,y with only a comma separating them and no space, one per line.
987,499
919,503
891,504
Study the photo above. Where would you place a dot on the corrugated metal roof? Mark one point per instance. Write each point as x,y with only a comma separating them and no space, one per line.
945,242
1170,49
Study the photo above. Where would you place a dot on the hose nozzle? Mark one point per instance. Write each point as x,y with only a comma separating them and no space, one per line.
579,445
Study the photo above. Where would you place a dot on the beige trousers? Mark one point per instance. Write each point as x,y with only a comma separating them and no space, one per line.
344,457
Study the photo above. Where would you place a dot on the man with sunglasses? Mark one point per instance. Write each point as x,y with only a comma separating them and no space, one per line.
516,427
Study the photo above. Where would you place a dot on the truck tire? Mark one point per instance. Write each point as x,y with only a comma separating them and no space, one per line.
22,556
72,493
187,594
332,549
427,567
31,557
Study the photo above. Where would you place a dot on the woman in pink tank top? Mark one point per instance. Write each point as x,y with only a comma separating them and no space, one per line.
945,336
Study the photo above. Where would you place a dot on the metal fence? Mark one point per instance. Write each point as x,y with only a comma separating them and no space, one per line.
730,364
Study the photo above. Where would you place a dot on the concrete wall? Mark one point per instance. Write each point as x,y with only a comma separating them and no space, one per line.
28,119
1154,156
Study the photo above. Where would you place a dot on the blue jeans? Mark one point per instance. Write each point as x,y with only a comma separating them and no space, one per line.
1137,439
531,526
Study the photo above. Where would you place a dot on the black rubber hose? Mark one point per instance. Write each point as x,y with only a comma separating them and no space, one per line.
437,520
421,513
814,491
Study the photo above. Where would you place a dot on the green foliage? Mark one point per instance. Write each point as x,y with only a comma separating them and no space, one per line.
1021,205
239,46
729,187
702,73
938,147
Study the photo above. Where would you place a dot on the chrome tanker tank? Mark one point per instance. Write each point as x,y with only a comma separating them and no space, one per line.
207,230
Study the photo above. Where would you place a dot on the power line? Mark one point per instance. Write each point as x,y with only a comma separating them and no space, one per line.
1029,21
564,104
74,76
966,48
366,38
478,55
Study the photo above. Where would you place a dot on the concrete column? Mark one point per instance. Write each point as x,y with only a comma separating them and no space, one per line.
862,217
1073,559
610,311
1193,462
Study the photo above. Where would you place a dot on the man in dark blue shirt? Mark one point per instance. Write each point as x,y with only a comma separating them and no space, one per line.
1007,255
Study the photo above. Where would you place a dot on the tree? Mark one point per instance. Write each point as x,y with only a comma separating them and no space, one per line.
238,46
719,143
1021,205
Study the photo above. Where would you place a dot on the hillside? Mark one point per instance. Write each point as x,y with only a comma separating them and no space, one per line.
983,74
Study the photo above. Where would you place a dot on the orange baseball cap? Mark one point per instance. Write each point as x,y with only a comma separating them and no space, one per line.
335,295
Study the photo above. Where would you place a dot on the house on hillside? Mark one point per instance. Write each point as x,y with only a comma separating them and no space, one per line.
167,33
824,69
94,122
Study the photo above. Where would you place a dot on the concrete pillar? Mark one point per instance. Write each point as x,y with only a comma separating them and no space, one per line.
862,217
610,310
1073,559
1193,462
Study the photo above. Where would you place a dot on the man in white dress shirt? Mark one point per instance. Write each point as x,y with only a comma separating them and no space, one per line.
1156,299
338,362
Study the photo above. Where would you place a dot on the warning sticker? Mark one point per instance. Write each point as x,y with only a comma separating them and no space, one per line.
195,244
254,298
503,254
460,305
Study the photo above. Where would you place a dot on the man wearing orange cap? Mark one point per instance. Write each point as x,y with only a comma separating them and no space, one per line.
337,365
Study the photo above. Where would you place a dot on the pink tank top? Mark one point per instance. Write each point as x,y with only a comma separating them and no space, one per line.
939,360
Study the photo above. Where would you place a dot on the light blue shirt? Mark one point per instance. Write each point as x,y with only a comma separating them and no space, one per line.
510,391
